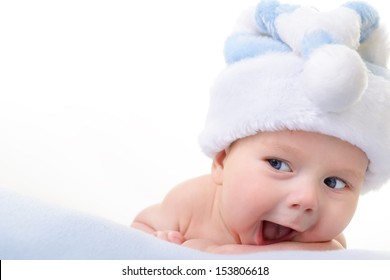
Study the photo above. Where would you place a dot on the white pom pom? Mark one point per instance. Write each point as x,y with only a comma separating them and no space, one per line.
334,77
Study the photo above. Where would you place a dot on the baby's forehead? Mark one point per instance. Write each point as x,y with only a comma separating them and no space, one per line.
292,136
306,142
286,135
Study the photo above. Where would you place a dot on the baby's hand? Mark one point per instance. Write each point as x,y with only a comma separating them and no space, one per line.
170,235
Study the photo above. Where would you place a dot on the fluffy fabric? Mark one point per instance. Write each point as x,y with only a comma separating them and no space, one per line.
342,24
299,69
369,18
340,81
250,46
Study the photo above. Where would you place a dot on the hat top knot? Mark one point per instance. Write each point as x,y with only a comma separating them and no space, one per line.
334,74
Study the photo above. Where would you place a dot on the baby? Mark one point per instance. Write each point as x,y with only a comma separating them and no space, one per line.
298,127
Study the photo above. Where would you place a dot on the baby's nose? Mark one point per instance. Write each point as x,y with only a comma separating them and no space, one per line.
304,198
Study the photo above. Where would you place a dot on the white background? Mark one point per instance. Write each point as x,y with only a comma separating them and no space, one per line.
101,102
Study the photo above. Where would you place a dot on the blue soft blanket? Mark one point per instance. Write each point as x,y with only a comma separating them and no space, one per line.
30,229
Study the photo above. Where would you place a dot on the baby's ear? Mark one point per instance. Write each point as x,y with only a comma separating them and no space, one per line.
218,167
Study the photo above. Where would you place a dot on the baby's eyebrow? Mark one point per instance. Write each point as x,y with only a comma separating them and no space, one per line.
285,148
354,174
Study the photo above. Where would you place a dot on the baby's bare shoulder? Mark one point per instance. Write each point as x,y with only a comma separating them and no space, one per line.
178,207
193,199
195,185
190,193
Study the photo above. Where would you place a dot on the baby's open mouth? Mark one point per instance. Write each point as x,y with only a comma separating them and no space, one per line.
274,233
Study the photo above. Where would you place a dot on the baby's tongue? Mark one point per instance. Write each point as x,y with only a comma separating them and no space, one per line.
272,231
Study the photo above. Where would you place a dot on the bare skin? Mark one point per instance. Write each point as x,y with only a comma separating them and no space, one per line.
273,191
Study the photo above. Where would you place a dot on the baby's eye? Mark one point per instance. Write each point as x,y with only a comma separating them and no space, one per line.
279,165
335,183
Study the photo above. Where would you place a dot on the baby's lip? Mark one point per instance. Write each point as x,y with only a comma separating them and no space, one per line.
270,233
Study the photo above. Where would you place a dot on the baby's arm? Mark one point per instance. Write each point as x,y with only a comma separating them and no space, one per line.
211,247
144,222
155,221
341,239
168,219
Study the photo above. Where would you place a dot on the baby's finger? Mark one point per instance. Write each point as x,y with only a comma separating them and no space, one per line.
162,235
175,237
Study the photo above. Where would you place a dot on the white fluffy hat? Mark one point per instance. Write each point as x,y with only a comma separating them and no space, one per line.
296,68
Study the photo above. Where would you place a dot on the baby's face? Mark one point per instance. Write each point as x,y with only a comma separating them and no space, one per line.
300,186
